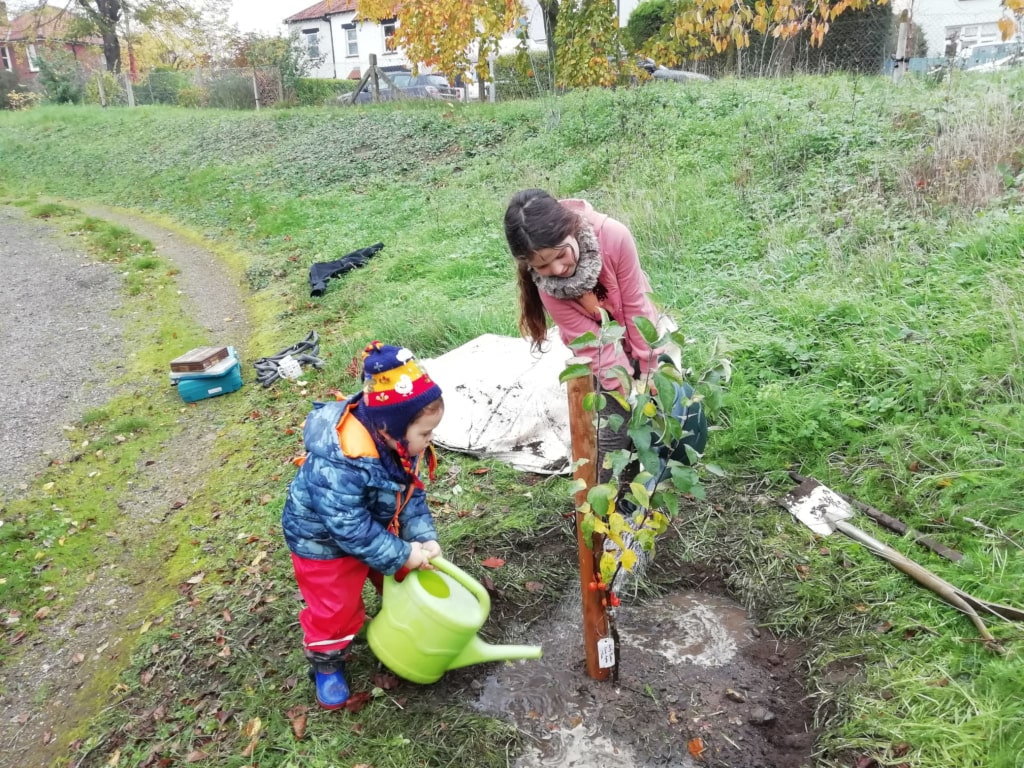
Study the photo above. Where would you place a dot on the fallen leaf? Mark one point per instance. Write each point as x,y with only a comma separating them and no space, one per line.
77,658
357,701
385,681
197,579
297,717
695,747
492,562
195,756
533,586
480,471
42,613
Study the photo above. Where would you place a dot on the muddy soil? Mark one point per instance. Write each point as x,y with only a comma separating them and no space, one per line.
698,683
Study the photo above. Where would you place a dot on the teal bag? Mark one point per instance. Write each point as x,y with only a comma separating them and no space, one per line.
220,379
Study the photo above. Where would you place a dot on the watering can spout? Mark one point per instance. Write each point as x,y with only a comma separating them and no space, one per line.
479,652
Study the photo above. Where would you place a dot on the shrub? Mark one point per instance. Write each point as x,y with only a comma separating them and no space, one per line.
522,75
112,92
162,86
61,77
9,86
315,92
232,92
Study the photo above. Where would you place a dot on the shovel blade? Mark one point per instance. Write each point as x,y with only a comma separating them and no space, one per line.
816,506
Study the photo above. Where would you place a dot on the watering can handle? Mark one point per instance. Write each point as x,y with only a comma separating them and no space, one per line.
475,587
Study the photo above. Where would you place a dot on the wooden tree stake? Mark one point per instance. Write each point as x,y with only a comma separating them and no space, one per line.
584,446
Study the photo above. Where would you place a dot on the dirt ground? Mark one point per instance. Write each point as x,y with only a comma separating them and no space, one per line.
698,683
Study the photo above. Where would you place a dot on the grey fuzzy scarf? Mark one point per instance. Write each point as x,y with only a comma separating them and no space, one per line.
588,269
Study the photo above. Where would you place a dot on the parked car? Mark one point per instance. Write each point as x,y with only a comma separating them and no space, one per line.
422,86
658,72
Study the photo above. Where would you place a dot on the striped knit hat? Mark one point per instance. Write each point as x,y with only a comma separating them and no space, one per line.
395,388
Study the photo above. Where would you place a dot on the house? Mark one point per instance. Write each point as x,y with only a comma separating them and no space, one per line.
339,47
951,27
39,31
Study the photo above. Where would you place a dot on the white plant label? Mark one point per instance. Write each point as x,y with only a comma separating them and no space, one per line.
605,653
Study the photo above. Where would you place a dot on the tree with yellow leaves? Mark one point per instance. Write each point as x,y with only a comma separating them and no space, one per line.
444,34
722,25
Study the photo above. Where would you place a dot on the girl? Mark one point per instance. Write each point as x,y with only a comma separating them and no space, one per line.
573,262
357,507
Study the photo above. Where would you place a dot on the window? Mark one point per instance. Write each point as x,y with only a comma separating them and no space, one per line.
5,58
33,59
311,38
390,46
351,40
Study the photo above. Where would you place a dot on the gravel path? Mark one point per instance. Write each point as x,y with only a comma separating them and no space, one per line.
59,334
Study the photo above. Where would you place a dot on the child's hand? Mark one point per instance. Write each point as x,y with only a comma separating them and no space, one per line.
418,557
432,548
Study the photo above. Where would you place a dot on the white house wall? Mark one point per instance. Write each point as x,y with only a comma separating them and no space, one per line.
975,19
338,64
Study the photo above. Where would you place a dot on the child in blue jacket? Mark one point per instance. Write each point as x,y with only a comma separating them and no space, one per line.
357,504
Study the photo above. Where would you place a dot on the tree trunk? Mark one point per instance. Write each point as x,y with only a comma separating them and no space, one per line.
549,11
106,14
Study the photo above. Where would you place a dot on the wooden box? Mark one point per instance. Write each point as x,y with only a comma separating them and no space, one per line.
198,359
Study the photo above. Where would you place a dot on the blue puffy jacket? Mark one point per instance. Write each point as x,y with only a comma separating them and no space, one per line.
342,499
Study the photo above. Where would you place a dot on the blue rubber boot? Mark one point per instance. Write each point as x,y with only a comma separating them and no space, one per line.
328,674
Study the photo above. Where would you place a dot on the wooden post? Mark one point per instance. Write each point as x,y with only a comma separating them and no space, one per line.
900,61
255,91
584,446
374,79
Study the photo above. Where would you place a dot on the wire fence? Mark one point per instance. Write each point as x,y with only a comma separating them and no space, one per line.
248,88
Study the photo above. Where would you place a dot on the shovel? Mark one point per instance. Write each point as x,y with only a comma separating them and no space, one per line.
825,511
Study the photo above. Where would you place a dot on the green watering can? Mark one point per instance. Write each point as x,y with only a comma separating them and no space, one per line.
428,622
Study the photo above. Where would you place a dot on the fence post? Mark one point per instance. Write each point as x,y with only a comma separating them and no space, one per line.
255,91
128,90
584,446
492,86
374,79
899,65
103,95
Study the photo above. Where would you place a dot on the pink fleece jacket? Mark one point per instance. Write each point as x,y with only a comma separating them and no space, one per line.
627,286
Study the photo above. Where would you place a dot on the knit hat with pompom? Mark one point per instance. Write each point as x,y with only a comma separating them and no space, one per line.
395,388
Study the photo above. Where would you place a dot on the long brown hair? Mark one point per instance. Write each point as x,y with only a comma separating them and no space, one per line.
534,220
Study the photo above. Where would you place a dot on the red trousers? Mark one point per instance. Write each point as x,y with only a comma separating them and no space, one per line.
333,591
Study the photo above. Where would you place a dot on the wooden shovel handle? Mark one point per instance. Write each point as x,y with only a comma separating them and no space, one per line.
918,573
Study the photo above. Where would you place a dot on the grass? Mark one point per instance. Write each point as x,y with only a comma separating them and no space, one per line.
853,248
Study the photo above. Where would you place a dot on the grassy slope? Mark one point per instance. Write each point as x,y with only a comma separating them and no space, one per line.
834,235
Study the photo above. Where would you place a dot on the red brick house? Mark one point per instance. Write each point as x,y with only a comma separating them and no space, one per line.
39,31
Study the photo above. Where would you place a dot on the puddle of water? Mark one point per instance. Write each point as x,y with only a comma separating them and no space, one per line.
577,748
554,701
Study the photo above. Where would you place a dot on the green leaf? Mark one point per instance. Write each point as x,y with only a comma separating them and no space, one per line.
715,470
587,339
609,564
668,501
622,377
573,372
647,330
618,460
578,484
614,422
601,498
641,494
587,530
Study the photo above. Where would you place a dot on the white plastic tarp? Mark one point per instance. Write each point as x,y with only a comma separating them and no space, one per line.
504,401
